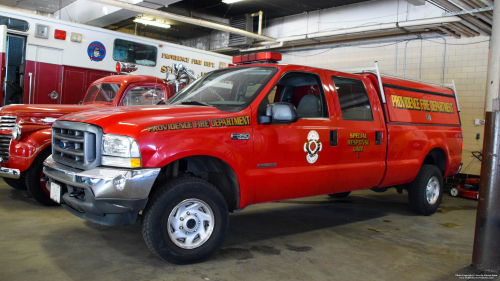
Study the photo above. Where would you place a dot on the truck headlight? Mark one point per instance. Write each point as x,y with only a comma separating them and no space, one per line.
16,132
121,151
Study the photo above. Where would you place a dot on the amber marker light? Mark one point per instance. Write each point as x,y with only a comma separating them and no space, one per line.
135,162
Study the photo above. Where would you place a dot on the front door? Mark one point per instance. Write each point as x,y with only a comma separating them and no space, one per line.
295,160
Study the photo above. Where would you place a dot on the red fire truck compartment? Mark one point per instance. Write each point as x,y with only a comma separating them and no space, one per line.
419,117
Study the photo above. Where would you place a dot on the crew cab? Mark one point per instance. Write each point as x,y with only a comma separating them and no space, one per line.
25,134
252,133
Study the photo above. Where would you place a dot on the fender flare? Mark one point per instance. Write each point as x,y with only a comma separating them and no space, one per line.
177,149
24,152
437,143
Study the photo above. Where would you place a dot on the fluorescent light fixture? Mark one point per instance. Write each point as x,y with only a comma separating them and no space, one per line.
231,1
154,23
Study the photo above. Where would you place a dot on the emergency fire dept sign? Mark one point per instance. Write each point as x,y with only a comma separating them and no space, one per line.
96,51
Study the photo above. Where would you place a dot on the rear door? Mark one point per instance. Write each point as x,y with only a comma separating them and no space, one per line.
362,139
3,51
47,77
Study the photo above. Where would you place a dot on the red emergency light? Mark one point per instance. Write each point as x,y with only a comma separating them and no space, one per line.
259,57
125,67
60,34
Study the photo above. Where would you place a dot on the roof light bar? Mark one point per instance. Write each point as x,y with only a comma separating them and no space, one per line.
261,57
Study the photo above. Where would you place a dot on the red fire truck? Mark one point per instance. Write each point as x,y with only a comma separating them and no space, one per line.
25,133
49,61
256,132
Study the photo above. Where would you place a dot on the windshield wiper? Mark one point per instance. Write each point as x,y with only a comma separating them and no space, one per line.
192,102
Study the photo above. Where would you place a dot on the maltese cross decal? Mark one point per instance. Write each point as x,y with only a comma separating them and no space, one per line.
312,147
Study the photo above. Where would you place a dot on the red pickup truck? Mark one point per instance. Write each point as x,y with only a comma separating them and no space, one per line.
252,133
25,133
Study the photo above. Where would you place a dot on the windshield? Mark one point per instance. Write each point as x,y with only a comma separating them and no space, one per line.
228,87
102,93
144,95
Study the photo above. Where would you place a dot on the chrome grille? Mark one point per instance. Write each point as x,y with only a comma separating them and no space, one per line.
7,122
5,141
76,144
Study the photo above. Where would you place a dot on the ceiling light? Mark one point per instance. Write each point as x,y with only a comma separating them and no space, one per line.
231,1
154,23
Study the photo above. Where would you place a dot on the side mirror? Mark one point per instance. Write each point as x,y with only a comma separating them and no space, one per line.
279,112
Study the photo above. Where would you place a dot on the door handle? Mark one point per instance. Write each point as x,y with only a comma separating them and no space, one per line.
378,138
54,95
29,92
334,138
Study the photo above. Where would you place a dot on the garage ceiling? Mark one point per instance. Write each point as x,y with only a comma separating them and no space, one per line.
271,8
46,6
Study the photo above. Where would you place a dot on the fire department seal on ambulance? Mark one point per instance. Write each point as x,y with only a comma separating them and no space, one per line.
96,51
312,147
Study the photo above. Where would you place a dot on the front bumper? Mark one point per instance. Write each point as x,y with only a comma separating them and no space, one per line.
93,195
10,173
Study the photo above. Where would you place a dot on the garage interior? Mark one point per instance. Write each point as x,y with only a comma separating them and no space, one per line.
365,236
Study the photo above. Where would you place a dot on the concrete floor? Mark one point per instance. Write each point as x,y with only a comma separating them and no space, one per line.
367,236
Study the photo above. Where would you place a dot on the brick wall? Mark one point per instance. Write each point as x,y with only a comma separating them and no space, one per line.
466,63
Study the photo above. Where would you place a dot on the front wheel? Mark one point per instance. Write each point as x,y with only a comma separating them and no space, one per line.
186,222
39,190
18,184
426,190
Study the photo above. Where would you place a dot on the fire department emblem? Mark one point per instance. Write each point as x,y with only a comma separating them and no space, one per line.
312,147
96,51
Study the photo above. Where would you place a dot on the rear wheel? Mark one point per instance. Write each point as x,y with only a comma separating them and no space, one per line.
426,190
454,192
19,184
39,190
186,222
339,195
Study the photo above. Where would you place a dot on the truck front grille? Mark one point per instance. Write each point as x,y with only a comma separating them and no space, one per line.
76,144
5,141
7,122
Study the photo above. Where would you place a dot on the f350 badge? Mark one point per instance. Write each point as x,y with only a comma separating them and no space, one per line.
312,147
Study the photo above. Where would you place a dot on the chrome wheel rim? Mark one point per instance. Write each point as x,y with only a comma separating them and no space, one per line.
432,190
454,192
190,224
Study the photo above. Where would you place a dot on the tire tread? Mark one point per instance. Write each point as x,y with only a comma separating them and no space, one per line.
33,175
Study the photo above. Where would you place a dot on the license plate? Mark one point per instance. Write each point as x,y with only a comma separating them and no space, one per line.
55,192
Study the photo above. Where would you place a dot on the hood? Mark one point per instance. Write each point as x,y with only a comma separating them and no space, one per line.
112,120
43,110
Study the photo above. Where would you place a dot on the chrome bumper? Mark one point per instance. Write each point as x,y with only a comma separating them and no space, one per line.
8,172
102,195
102,181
